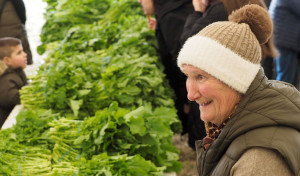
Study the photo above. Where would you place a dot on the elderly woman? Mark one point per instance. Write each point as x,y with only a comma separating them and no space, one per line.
253,124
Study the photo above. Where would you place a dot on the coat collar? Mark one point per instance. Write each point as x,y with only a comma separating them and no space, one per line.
3,67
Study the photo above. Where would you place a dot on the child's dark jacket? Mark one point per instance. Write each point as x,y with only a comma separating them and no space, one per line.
11,81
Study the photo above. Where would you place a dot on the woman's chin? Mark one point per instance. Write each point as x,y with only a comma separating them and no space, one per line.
205,118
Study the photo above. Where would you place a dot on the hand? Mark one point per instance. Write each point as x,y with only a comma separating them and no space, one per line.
200,5
151,23
186,108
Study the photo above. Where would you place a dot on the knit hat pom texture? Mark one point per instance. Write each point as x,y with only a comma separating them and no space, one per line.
257,18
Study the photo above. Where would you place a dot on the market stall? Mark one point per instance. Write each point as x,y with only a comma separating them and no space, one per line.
100,104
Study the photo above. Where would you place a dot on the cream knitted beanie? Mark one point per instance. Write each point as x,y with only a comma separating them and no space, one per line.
230,50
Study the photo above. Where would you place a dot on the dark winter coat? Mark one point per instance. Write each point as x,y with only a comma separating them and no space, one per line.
12,24
11,81
197,20
268,116
193,24
170,19
286,18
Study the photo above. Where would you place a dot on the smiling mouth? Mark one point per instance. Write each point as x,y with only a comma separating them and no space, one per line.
206,103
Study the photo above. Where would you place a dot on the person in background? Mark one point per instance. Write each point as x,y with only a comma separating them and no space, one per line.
286,18
12,77
205,13
268,56
268,62
12,23
253,124
298,86
267,2
170,16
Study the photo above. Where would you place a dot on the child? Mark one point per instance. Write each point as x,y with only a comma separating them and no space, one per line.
12,77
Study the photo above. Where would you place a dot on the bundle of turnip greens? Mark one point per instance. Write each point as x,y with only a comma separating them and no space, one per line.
19,159
100,105
73,146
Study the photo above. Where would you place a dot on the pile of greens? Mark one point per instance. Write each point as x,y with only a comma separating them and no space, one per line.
20,159
100,104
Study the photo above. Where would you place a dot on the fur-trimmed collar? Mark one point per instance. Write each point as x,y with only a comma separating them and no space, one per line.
3,67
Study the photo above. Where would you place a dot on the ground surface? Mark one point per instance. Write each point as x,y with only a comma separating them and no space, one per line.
187,156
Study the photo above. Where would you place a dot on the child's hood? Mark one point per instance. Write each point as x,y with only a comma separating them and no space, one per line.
3,67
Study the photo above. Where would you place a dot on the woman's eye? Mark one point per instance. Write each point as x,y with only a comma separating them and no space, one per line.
200,77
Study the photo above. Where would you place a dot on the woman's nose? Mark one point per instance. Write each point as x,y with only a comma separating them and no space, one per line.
192,90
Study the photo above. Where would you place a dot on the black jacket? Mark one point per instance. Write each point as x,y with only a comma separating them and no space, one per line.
171,16
170,19
19,6
197,20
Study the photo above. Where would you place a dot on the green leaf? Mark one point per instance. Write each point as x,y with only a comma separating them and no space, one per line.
83,92
109,125
156,126
136,122
75,106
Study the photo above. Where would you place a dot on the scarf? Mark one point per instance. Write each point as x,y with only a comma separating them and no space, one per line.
213,131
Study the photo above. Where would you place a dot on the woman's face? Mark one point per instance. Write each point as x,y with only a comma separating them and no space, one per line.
147,6
216,100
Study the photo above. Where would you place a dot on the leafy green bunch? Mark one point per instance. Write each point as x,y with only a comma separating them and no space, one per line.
105,165
116,130
19,159
65,17
73,84
64,132
32,126
62,15
33,95
73,76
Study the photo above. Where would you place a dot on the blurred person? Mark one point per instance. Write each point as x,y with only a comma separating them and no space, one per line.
148,8
13,60
205,13
267,2
268,59
252,123
286,18
12,23
170,16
